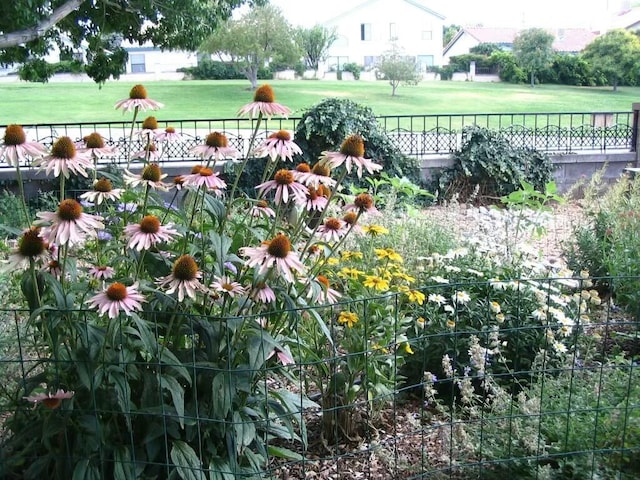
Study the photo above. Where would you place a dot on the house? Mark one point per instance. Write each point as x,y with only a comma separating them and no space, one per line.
368,30
146,58
566,40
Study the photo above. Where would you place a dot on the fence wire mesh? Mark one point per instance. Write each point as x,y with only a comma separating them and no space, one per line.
541,386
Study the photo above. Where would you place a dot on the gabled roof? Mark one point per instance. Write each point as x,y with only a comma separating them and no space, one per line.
627,20
567,40
363,5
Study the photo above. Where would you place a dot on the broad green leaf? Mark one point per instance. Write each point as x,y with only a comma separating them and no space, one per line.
124,468
282,452
177,395
187,463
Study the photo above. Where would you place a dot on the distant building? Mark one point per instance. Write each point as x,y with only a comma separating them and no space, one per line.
149,59
368,30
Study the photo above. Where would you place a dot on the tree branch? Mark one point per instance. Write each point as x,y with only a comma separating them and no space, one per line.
22,36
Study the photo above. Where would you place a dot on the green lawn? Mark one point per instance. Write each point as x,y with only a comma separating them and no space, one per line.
27,103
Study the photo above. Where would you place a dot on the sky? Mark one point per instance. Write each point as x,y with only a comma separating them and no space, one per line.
506,13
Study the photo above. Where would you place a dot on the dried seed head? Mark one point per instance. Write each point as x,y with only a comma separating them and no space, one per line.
283,177
63,148
217,140
264,94
69,210
14,135
279,246
353,146
150,224
138,92
185,268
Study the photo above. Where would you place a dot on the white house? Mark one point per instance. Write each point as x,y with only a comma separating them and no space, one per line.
149,59
367,31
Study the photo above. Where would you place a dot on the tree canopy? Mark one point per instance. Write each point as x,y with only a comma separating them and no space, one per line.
29,29
616,54
533,50
397,68
314,43
260,36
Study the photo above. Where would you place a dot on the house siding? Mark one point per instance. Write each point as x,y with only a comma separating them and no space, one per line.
377,21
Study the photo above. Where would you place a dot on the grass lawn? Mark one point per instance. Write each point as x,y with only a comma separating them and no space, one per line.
28,103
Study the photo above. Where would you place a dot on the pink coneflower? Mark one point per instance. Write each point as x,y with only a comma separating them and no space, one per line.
351,154
285,187
94,144
102,190
117,298
275,253
138,100
64,158
315,200
149,128
68,225
321,291
150,153
226,286
15,147
351,219
278,144
151,176
50,400
102,272
264,104
263,293
206,177
332,230
362,203
318,175
169,135
216,146
184,278
262,209
283,357
148,233
31,247
54,268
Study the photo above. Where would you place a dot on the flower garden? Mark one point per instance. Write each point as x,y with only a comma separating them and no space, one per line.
315,325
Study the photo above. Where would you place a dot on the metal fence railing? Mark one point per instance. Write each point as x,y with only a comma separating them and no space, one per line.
522,398
415,135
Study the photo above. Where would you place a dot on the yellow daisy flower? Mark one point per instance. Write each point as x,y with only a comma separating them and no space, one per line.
348,255
375,230
348,318
377,283
348,272
416,297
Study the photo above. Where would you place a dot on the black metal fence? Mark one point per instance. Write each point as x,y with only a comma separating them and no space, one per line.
415,135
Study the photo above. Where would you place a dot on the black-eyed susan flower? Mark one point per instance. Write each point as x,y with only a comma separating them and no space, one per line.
348,318
263,104
376,282
375,230
117,298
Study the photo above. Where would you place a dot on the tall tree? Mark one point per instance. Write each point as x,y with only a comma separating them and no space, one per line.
255,39
616,54
533,50
29,29
448,32
397,68
315,43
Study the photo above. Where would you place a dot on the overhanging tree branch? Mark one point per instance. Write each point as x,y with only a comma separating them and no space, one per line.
22,36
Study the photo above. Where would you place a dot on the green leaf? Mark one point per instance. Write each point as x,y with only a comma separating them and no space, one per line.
282,452
124,467
245,429
187,463
177,395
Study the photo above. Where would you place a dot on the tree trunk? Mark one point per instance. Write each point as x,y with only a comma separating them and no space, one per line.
533,84
251,72
615,84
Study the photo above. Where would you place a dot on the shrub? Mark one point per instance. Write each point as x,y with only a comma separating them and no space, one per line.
325,125
489,166
213,70
36,70
353,68
508,68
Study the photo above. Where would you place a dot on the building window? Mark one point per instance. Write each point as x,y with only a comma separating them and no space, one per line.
426,35
393,31
137,63
424,62
365,31
370,61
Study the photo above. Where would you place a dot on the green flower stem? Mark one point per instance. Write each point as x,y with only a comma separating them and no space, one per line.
252,141
133,123
62,180
34,279
27,217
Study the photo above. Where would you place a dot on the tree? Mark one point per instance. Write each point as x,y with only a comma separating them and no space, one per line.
533,50
448,32
255,39
615,54
314,43
397,68
29,29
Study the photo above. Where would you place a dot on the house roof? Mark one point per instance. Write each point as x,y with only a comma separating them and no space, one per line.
360,6
566,40
628,19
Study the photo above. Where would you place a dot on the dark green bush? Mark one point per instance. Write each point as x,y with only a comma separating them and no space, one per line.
211,70
508,68
326,125
36,70
353,68
490,167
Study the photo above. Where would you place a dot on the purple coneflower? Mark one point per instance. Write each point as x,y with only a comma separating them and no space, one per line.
64,158
94,143
169,135
315,200
138,100
151,153
351,219
332,230
50,400
148,233
226,286
264,104
150,128
31,247
102,272
54,268
275,253
362,203
68,224
151,176
263,293
216,146
283,357
262,209
184,278
117,298
285,187
323,293
278,144
204,176
318,175
351,154
15,147
102,190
